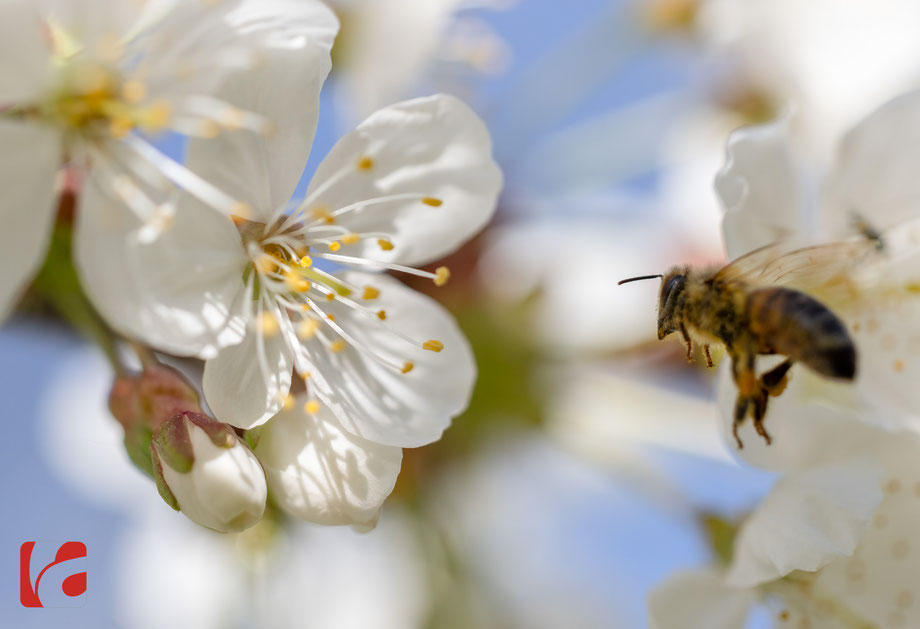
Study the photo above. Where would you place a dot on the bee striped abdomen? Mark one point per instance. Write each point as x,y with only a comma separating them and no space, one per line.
797,325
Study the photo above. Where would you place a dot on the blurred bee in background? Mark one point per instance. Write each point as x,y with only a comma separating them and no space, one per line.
759,305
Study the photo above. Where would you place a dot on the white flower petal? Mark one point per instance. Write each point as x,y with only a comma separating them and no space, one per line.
875,176
759,189
808,519
180,292
93,22
379,402
284,88
25,58
698,600
321,473
242,393
28,165
434,147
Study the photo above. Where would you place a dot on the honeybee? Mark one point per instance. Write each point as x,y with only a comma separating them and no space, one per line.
760,305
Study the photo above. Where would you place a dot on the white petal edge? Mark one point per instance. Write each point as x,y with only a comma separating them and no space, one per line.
808,520
435,147
283,87
239,390
321,473
698,600
759,188
25,56
28,166
380,403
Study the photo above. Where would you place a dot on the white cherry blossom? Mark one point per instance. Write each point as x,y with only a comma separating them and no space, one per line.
86,84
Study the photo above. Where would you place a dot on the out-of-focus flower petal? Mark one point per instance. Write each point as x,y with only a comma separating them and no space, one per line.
875,177
25,56
378,402
809,519
698,600
28,165
759,188
248,383
434,147
321,473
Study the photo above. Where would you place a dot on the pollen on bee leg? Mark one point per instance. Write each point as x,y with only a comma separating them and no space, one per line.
408,366
370,293
337,345
433,345
384,244
442,274
432,201
268,324
350,239
307,328
311,407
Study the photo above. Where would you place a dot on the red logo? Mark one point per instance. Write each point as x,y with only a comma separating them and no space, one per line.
52,574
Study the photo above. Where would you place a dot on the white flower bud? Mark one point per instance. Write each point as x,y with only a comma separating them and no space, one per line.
209,473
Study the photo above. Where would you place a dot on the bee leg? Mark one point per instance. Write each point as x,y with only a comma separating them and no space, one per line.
741,407
774,381
760,410
708,357
687,340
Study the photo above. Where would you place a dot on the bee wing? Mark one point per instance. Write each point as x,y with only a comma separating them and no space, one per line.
804,268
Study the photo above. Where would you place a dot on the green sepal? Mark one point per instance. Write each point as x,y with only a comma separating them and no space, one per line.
137,445
220,434
162,487
174,445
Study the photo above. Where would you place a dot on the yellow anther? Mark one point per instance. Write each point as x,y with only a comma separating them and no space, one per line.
322,214
433,345
337,345
296,282
242,210
156,116
365,163
331,317
382,315
370,293
442,274
432,201
232,118
306,376
350,239
408,366
265,264
311,407
307,328
133,91
305,261
335,245
288,402
330,296
268,324
120,126
385,244
208,129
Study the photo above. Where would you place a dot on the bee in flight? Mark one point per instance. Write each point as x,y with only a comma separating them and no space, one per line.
756,306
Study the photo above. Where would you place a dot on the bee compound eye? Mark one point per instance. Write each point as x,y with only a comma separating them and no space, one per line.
670,286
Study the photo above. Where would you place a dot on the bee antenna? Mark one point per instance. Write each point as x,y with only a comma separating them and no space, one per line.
636,279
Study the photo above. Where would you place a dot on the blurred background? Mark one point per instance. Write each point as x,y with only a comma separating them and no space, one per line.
589,466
